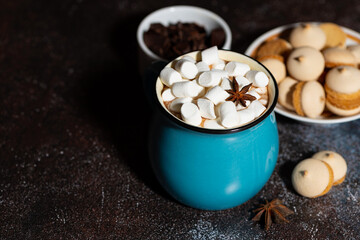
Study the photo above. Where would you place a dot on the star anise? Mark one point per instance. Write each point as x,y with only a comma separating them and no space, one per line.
273,210
239,96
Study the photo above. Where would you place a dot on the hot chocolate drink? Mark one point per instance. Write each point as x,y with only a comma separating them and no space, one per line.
213,93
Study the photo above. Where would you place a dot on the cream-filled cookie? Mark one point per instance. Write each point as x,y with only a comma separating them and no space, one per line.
312,178
309,35
338,57
276,67
335,36
286,89
276,47
342,86
305,63
355,50
309,99
336,162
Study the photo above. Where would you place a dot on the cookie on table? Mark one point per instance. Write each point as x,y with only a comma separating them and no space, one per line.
336,162
312,178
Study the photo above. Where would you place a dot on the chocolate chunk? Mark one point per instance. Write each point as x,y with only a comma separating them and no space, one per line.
217,37
177,39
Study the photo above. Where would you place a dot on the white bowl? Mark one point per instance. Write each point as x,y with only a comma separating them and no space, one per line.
352,38
172,15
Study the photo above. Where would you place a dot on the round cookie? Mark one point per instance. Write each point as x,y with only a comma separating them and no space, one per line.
338,57
276,67
309,99
335,36
341,112
276,47
312,178
355,50
336,162
286,89
307,35
342,87
305,63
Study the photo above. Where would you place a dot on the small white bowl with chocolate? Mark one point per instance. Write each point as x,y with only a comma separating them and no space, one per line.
172,31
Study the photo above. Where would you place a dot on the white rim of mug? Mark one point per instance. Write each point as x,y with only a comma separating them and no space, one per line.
141,28
251,124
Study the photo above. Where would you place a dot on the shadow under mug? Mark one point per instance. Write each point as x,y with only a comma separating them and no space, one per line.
214,169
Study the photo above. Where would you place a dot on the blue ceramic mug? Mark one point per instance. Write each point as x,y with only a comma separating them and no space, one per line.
214,169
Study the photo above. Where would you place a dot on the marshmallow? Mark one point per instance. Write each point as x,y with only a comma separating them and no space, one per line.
167,95
241,107
186,89
175,105
210,78
257,108
207,108
228,114
245,116
213,124
222,73
261,90
189,58
259,79
242,81
263,101
226,83
186,68
217,95
237,68
254,93
210,55
220,65
190,113
169,76
202,67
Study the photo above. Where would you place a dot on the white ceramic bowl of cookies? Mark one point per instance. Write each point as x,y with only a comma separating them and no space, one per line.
352,37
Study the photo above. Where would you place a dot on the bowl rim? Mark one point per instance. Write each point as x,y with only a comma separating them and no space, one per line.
251,124
141,28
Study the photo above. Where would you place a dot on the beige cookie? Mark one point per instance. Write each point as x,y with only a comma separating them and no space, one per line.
305,63
338,57
276,67
335,36
309,99
342,87
336,162
312,178
286,89
355,50
309,35
276,47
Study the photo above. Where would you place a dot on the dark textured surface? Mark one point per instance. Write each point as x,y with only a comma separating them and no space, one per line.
73,168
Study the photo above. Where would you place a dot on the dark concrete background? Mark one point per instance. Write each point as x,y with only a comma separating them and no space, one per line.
71,167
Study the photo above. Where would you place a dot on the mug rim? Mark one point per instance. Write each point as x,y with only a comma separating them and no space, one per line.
210,14
253,123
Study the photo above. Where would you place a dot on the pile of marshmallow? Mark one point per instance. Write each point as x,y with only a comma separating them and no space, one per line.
196,91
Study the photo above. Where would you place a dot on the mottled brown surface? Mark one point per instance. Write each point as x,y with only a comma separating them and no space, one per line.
73,168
